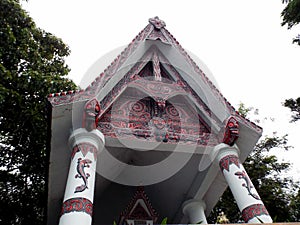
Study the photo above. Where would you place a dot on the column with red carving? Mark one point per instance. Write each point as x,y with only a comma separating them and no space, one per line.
79,193
226,155
86,143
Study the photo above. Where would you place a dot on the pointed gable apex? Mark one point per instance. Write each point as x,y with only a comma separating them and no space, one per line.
155,34
138,209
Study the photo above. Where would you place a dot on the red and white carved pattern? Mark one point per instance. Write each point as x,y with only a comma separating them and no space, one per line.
226,161
157,23
122,84
139,213
248,184
158,90
156,67
231,133
131,119
253,211
154,30
90,114
103,78
186,88
82,174
77,205
135,211
84,148
158,34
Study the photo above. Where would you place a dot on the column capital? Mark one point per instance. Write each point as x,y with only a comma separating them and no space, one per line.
222,150
81,135
191,204
194,209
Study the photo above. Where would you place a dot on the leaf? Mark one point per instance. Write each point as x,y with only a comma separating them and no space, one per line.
164,221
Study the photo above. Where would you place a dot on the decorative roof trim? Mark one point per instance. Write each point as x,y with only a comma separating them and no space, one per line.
139,195
90,92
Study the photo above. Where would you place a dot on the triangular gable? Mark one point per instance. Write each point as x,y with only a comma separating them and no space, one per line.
155,30
154,50
153,75
132,57
139,209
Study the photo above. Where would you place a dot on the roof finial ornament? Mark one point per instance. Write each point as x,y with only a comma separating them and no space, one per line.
157,23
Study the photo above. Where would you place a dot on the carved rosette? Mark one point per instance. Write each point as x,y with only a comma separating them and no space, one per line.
157,23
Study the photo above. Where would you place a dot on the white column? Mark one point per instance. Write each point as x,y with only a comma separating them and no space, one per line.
194,209
77,206
244,192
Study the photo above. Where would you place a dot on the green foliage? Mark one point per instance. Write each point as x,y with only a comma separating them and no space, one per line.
294,105
291,16
32,65
164,221
295,207
265,171
279,193
243,110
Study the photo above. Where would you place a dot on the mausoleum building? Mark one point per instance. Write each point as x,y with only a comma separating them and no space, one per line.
150,138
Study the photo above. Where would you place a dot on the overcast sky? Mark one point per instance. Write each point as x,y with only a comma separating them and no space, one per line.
250,55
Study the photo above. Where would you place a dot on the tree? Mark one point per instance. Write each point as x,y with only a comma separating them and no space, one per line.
294,105
291,16
277,192
32,65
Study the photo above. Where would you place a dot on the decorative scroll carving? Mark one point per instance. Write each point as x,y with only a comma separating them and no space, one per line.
253,211
231,133
156,67
153,31
77,205
91,113
145,120
226,161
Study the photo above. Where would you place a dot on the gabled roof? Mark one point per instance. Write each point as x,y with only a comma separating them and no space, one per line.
156,45
139,208
155,34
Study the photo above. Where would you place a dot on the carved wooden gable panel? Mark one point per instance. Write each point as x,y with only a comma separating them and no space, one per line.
151,103
145,119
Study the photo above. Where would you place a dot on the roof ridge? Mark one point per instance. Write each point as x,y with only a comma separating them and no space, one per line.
157,25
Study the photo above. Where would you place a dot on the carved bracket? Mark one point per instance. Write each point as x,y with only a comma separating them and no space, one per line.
231,132
91,114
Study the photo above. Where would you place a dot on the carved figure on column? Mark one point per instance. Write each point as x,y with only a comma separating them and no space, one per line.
244,192
248,185
91,114
231,132
81,164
